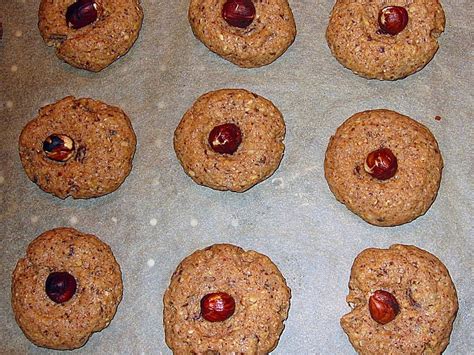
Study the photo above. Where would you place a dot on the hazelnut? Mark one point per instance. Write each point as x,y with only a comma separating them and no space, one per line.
381,164
383,307
217,306
225,139
58,147
239,13
393,19
81,13
60,286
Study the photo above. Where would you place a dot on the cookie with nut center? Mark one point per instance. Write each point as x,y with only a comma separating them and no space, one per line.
65,322
268,35
359,40
254,283
403,197
256,157
421,286
78,147
97,43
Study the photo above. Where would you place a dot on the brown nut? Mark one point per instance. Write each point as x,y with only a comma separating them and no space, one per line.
393,19
58,147
381,164
81,13
217,306
383,307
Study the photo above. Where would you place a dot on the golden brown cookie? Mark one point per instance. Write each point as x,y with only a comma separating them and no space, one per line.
364,44
250,124
251,291
96,32
394,200
403,302
58,311
78,147
248,33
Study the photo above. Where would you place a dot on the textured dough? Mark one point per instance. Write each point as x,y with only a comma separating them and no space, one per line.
257,286
424,290
403,197
354,40
66,325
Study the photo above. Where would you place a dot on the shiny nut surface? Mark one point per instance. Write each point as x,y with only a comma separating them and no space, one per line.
393,19
383,307
239,13
60,286
225,138
81,13
381,164
217,307
58,147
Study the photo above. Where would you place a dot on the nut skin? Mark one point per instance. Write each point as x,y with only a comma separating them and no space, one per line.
217,306
393,19
381,164
383,307
239,13
81,13
225,138
60,286
58,147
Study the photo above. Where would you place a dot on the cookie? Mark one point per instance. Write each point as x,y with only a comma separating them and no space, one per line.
230,139
90,34
385,44
78,147
251,289
248,33
66,288
358,159
403,302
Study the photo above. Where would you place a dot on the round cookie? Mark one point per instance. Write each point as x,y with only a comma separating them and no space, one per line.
251,279
357,41
94,46
265,39
104,145
66,325
256,158
423,290
399,199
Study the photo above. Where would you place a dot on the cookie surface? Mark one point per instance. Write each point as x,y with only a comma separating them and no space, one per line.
399,199
256,158
98,44
269,35
355,39
424,291
66,325
104,145
257,286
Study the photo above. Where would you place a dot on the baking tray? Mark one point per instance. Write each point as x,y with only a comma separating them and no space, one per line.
159,215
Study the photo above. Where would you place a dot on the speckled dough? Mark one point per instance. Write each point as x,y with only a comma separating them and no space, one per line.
257,286
424,290
104,148
99,289
403,197
354,41
257,157
264,40
97,45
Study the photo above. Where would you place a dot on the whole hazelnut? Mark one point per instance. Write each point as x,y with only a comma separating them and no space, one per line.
381,164
383,307
225,138
58,147
239,13
60,286
393,19
81,13
217,306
